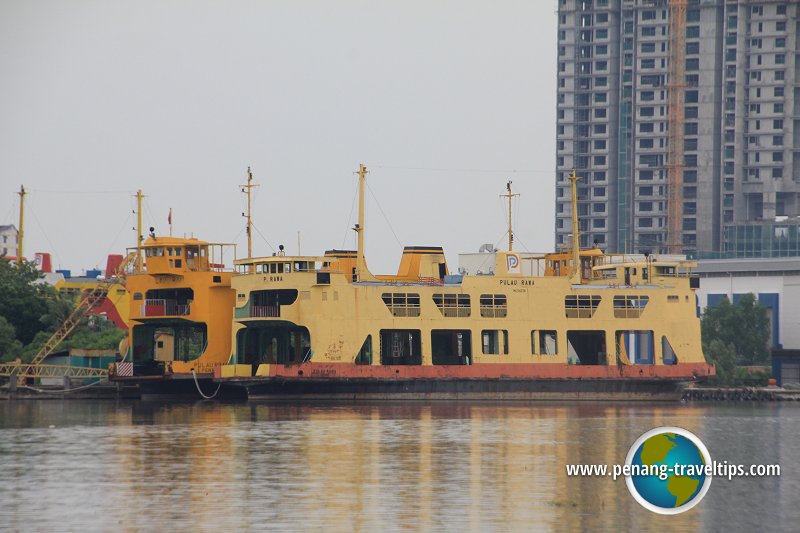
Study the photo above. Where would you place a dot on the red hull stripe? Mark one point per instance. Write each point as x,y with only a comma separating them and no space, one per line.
492,371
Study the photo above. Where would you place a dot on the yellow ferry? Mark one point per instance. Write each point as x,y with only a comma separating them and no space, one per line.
593,326
181,306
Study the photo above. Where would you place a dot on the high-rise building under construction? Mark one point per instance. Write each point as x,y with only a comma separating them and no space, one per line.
733,105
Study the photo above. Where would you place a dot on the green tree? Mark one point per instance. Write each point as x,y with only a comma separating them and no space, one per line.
742,327
10,347
30,311
724,357
23,301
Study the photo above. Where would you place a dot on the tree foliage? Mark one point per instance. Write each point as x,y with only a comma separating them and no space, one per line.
736,334
10,347
23,301
30,312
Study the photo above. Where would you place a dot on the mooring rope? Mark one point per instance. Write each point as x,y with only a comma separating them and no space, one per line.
197,384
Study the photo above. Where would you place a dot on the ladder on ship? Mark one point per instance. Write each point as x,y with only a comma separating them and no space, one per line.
397,345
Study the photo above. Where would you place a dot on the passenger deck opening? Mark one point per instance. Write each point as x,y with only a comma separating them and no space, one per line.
268,303
364,355
586,347
668,355
451,346
273,342
401,347
179,341
636,346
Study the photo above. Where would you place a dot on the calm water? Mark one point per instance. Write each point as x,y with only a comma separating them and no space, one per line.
136,466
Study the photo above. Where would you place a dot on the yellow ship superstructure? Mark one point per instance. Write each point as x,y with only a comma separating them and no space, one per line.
180,308
593,326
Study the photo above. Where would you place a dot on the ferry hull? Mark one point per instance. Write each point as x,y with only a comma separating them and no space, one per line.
497,382
171,387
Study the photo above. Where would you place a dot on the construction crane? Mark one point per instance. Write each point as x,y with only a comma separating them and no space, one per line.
676,85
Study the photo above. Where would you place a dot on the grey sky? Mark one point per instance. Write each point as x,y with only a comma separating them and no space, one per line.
179,97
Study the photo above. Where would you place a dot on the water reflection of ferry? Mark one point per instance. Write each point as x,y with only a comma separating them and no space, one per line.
593,327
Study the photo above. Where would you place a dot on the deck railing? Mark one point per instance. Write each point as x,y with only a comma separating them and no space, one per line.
265,311
162,307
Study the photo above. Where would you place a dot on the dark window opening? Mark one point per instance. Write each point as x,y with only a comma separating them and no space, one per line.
495,341
167,302
402,304
267,304
580,306
494,305
401,347
452,305
451,346
274,343
635,346
630,306
364,355
185,342
544,342
586,347
667,353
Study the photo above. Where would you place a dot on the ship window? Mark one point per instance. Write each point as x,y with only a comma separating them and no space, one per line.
401,303
580,306
177,251
401,347
273,268
635,346
452,305
494,305
667,353
451,346
545,344
280,268
586,347
304,266
629,306
364,355
495,341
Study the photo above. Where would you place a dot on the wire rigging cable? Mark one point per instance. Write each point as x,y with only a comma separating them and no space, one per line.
77,192
384,214
41,228
262,236
477,170
350,217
